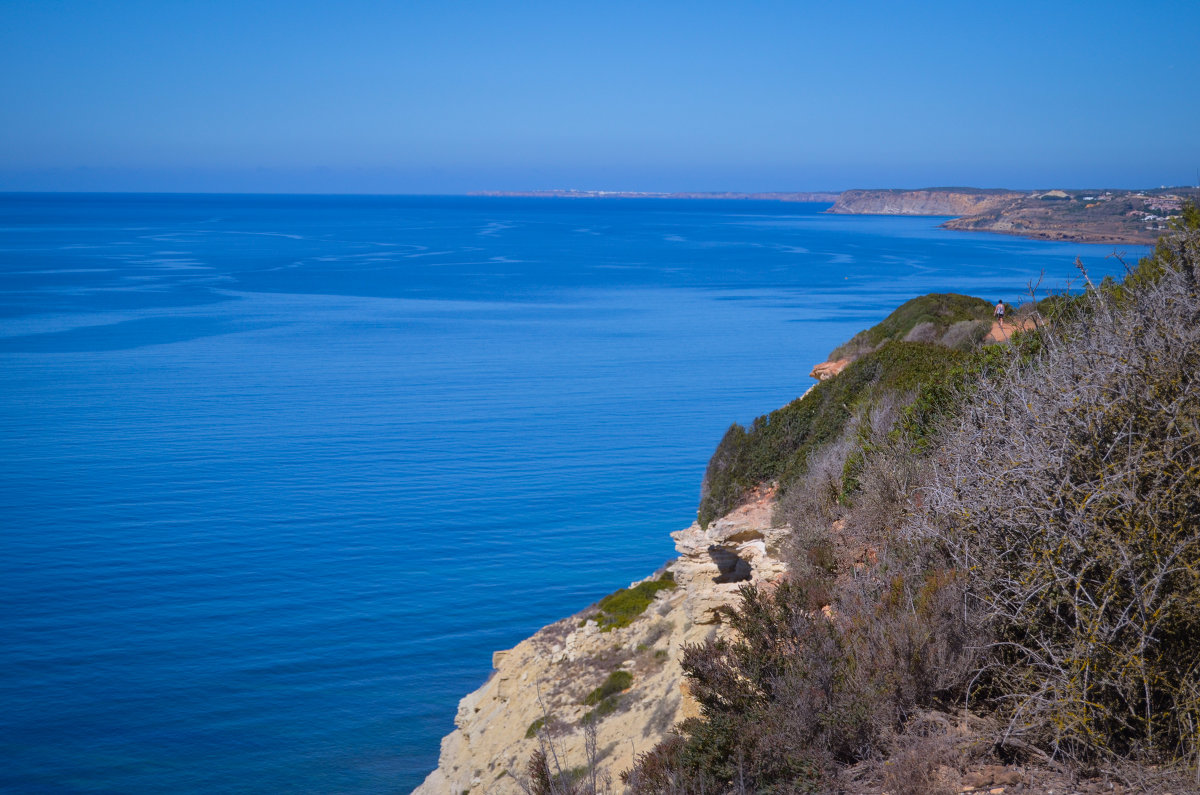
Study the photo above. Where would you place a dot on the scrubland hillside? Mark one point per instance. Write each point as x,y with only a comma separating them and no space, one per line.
994,560
953,565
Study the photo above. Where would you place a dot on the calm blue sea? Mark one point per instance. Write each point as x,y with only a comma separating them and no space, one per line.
278,474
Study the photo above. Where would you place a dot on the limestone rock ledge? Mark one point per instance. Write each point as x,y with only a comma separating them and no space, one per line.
548,675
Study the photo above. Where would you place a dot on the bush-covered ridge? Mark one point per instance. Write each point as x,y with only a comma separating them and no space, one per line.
926,318
920,344
776,447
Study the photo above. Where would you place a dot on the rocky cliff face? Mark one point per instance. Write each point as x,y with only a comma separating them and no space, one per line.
548,676
935,201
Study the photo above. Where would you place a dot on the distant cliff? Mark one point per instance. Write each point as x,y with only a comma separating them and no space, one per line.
930,201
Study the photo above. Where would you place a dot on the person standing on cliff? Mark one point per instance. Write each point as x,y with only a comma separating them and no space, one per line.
999,313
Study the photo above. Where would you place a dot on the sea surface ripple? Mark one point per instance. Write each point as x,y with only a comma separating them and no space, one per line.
280,473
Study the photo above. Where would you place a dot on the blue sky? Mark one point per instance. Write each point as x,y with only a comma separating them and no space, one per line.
449,97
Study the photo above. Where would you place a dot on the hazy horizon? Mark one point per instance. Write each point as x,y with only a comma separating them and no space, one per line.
408,99
649,194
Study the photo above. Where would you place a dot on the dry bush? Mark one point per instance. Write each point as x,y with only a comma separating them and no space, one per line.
966,334
822,672
1070,492
814,499
917,766
923,332
864,477
549,775
811,506
660,771
882,476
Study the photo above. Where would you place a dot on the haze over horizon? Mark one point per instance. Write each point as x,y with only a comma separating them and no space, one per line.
374,97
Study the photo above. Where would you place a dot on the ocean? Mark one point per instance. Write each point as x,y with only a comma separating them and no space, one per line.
279,473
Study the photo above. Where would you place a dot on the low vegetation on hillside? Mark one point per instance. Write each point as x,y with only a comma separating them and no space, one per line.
926,318
996,556
928,339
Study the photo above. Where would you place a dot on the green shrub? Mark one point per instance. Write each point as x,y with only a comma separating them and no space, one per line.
534,728
607,697
617,682
620,608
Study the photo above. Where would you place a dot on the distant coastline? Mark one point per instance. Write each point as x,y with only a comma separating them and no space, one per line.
819,196
1109,216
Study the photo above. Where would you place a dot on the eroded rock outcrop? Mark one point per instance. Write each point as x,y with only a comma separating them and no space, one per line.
547,677
826,370
716,561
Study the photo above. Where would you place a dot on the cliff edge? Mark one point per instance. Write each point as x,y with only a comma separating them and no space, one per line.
538,695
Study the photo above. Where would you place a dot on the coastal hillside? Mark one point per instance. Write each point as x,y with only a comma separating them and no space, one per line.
918,344
817,197
600,688
967,559
992,578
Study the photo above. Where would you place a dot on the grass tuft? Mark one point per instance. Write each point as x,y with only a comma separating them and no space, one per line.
619,609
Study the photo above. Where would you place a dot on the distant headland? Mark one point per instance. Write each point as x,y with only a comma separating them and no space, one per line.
1119,217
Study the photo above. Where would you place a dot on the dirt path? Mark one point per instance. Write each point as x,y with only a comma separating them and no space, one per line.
1002,332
